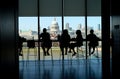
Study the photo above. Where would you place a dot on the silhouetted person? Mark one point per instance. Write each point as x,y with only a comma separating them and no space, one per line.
46,43
93,41
64,40
78,41
20,44
58,37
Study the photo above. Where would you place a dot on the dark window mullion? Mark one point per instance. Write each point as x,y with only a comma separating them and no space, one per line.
62,21
38,30
86,24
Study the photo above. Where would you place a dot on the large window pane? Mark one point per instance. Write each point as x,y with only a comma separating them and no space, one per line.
73,23
54,28
28,28
94,22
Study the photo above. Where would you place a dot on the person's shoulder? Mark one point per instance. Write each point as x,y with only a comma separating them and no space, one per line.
88,35
48,33
41,34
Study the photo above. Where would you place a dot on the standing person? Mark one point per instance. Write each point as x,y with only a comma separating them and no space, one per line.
93,41
64,41
46,41
78,42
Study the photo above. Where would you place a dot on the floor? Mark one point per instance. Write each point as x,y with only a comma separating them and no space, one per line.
61,69
56,54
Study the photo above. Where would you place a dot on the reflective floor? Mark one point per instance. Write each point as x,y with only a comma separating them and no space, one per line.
58,69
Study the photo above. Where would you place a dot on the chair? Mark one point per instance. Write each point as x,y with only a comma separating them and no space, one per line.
80,50
21,53
69,54
79,53
96,51
51,54
70,57
64,55
31,45
20,46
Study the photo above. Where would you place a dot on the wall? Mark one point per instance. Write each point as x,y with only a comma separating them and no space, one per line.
116,34
116,45
8,29
115,19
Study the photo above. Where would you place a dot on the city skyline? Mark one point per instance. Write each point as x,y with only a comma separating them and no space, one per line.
27,23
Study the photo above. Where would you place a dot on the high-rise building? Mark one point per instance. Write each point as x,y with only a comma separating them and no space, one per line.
79,27
99,27
67,26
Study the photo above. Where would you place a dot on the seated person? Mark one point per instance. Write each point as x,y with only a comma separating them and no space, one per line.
93,41
64,41
20,44
46,43
78,42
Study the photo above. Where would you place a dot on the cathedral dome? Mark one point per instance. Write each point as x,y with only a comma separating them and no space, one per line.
54,23
54,26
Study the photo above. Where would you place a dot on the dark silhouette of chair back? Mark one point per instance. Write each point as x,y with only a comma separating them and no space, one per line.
30,43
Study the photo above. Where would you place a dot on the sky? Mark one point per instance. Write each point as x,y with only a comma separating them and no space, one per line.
26,23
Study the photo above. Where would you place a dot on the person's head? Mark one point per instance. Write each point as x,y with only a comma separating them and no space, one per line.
44,30
91,31
78,31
